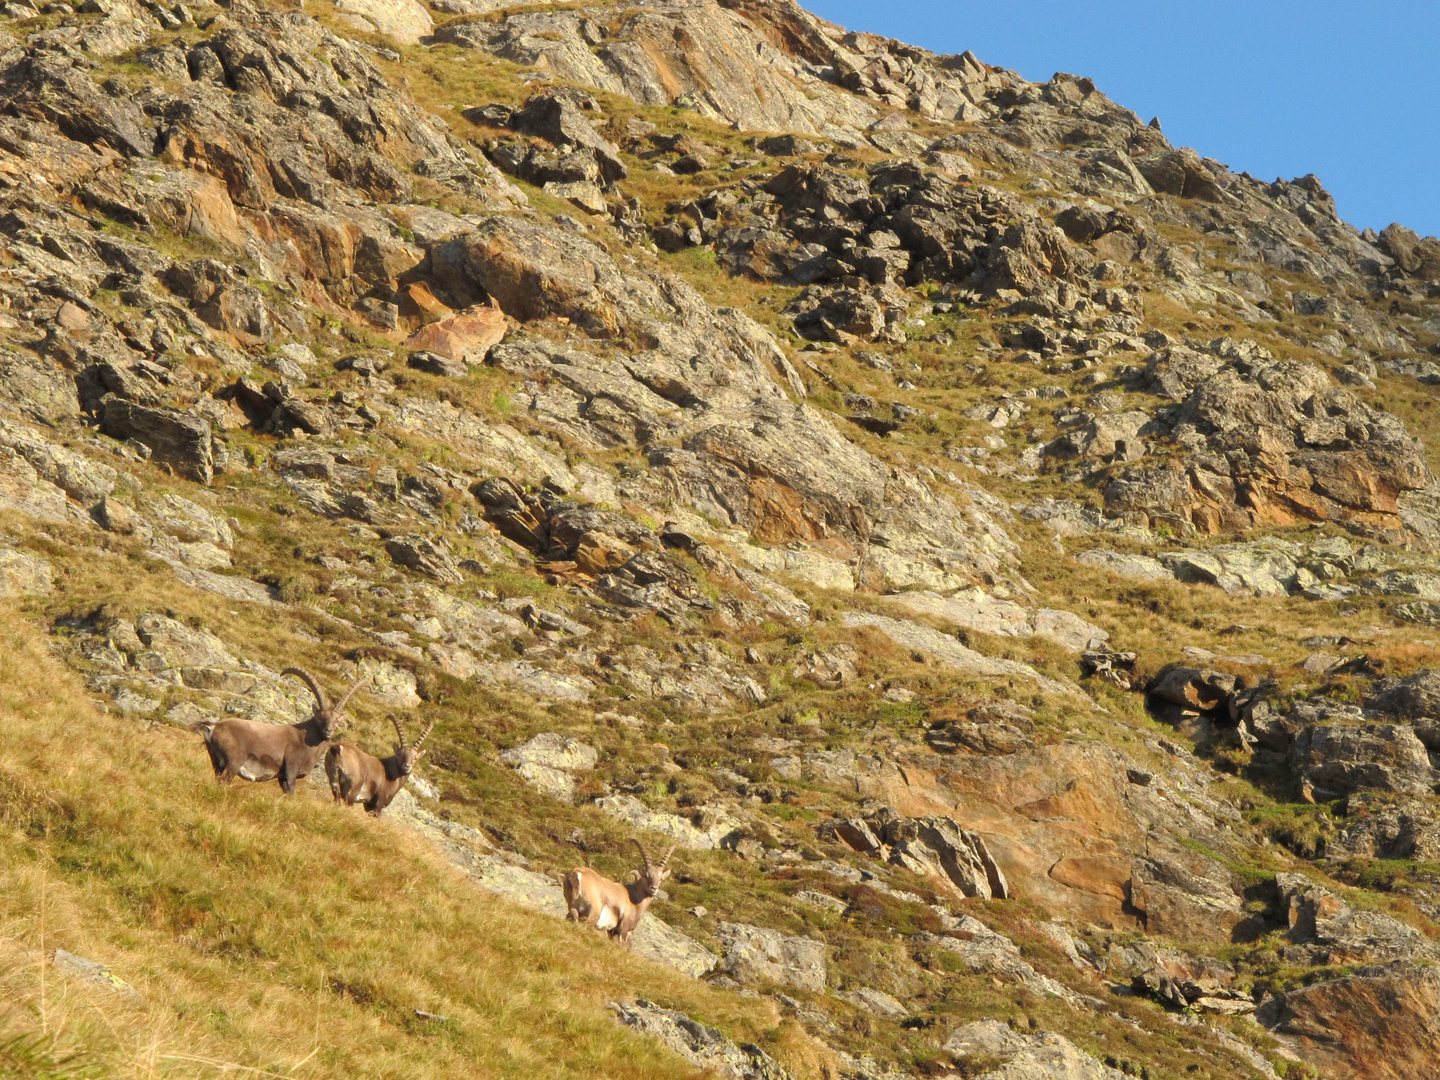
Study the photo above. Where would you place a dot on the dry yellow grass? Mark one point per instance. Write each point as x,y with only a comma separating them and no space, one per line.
274,936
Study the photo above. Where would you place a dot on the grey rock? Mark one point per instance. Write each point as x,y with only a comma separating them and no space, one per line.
757,955
1376,757
75,474
530,678
226,585
1419,611
976,610
1406,583
436,364
716,822
875,1001
91,972
981,949
822,900
171,645
549,761
1334,933
704,1047
1043,1055
1136,567
947,650
1407,698
1184,892
174,438
23,574
425,556
1344,462
556,117
1382,826
939,847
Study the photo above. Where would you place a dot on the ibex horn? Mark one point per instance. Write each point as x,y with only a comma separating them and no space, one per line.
314,686
399,734
425,734
340,706
666,860
642,851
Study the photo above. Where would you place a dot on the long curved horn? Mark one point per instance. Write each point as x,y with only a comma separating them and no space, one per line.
340,705
314,686
642,852
398,732
424,734
666,860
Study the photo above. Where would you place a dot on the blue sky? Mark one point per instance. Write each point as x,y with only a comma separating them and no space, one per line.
1348,91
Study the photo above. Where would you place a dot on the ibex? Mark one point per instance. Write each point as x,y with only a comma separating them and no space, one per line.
607,905
356,776
254,750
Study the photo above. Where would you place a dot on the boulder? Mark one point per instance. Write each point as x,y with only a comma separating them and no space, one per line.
875,1001
1416,257
704,1047
1191,688
983,950
716,822
403,21
758,956
1181,173
940,847
115,516
23,574
556,116
172,646
945,649
1026,1055
425,556
92,972
1337,760
174,438
974,609
1407,698
82,479
1332,932
1383,826
549,761
465,337
1268,443
437,364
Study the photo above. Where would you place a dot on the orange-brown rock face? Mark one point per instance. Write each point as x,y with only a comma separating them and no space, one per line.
1071,827
1381,1023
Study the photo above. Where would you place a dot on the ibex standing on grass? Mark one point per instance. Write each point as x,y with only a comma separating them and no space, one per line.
356,776
607,905
254,750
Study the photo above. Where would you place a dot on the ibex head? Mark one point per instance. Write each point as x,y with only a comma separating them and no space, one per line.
326,717
649,876
407,756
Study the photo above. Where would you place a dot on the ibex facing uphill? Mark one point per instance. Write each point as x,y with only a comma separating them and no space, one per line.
254,750
610,906
356,776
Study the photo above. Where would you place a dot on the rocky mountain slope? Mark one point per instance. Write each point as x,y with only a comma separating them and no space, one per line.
998,548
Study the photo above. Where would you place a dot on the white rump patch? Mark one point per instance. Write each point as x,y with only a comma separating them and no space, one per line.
608,920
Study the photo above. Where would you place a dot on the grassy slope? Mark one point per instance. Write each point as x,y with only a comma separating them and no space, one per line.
284,935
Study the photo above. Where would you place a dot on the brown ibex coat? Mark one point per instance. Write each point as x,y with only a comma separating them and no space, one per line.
356,776
254,750
610,906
